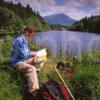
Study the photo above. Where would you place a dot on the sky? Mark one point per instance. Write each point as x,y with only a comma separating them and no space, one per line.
76,9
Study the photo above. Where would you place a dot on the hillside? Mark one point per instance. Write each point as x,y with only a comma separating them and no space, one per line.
59,19
10,12
90,24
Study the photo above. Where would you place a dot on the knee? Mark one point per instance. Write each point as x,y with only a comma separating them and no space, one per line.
19,63
32,69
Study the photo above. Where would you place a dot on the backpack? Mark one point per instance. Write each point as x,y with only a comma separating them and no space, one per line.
52,90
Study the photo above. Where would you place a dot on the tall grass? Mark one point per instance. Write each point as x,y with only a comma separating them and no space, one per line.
84,84
9,90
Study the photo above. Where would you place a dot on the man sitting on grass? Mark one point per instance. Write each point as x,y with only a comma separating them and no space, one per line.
22,58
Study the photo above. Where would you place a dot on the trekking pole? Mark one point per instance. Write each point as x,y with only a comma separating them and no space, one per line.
64,82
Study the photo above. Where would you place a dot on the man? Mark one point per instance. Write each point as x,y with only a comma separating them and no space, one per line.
22,58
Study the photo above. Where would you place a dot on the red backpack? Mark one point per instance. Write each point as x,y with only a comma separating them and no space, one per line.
52,90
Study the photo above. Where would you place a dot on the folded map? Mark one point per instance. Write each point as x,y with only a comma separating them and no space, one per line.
41,56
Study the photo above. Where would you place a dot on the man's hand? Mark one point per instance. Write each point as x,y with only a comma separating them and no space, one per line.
33,54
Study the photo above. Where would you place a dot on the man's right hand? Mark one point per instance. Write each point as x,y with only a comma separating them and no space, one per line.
33,54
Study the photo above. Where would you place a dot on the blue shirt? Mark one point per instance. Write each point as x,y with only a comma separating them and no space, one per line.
20,51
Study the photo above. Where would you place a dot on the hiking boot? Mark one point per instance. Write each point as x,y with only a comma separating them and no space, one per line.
34,94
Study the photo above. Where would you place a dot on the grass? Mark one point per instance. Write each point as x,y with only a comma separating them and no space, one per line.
85,80
84,84
9,88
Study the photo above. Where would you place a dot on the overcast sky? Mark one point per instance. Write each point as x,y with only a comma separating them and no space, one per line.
75,9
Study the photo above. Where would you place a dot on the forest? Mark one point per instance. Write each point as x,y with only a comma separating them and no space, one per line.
14,17
90,24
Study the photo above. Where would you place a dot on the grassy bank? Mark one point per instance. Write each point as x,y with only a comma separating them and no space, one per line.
84,83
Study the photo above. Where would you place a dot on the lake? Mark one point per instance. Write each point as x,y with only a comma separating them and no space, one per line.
71,41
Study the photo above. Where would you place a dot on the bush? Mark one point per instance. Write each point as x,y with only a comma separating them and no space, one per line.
1,56
85,86
39,24
5,51
9,21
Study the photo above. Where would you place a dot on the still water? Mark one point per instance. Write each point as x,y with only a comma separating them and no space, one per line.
68,41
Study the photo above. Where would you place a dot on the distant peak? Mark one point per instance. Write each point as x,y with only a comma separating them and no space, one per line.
61,19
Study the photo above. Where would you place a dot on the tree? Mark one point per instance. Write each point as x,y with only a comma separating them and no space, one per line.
90,24
10,21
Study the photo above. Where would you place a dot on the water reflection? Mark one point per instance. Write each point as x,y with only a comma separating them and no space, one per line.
73,42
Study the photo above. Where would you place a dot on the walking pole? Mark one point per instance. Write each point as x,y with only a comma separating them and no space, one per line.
64,82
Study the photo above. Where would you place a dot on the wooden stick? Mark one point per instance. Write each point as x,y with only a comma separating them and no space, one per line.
64,82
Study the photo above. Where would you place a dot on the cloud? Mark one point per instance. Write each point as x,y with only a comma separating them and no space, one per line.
95,3
14,1
35,3
69,8
76,9
96,11
77,14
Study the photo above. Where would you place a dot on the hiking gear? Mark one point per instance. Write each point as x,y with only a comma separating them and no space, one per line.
70,72
61,64
52,90
63,82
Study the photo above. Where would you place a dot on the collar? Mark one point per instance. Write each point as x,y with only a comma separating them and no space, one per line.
23,37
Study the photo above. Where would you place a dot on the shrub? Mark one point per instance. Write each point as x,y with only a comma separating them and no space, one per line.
9,21
85,86
5,51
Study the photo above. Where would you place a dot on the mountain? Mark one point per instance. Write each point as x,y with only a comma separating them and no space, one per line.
59,19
